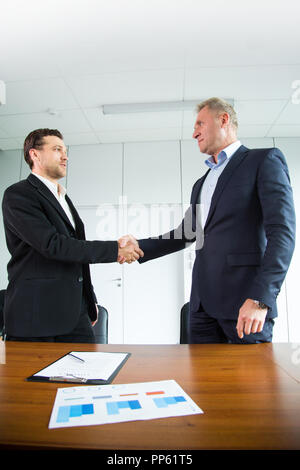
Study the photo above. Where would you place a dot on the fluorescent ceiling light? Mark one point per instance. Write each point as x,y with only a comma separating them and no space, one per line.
126,108
2,93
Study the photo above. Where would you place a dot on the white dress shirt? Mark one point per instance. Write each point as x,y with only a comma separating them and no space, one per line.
59,192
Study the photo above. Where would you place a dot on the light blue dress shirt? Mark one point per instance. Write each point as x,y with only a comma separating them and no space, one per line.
211,180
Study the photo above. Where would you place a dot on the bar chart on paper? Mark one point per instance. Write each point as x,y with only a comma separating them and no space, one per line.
92,405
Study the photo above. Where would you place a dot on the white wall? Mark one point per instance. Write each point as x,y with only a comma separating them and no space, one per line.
119,189
142,188
291,148
10,170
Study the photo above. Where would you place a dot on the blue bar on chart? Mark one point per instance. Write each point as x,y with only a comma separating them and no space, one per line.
102,397
73,411
166,401
114,406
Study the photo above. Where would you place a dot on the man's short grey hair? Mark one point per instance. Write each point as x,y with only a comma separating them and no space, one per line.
220,106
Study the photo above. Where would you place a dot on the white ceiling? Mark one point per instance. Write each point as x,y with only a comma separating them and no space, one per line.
73,56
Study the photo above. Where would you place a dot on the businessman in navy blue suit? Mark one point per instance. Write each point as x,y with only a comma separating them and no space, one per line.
242,218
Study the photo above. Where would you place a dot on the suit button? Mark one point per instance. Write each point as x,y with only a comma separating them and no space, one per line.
80,279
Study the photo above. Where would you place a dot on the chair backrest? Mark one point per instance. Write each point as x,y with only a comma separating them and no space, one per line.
101,327
184,314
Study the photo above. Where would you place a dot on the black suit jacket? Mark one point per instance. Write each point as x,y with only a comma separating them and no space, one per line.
48,272
248,238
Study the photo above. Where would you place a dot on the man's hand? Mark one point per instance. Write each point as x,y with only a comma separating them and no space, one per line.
251,318
129,249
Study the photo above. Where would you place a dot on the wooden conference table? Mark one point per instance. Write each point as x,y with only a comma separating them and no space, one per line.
250,395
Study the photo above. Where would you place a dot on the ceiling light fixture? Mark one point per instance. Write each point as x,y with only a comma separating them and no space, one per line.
162,106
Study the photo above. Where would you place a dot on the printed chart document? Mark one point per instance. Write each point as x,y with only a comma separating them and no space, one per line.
84,367
93,405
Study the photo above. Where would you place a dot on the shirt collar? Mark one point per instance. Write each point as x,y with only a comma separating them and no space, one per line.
56,189
225,154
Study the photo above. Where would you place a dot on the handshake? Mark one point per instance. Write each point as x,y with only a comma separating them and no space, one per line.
129,249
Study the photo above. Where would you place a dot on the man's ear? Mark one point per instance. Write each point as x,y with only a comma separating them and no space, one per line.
33,154
224,119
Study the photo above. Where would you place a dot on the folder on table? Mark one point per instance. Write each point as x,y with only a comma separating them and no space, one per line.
86,367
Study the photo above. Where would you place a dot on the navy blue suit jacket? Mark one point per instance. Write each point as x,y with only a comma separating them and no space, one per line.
248,238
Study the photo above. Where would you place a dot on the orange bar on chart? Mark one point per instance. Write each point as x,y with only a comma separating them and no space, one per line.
155,393
128,394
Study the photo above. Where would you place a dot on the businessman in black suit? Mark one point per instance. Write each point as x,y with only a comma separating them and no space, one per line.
50,295
242,218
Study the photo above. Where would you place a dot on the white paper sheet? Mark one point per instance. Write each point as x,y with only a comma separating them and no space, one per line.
101,404
96,365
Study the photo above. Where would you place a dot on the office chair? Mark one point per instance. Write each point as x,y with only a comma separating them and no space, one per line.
2,295
184,324
101,327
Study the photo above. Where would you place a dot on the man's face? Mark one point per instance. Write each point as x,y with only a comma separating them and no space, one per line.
209,131
51,159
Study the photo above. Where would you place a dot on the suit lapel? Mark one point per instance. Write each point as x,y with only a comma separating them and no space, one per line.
225,177
195,199
197,188
42,188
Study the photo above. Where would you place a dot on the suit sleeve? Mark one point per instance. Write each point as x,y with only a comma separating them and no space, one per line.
24,216
276,199
169,242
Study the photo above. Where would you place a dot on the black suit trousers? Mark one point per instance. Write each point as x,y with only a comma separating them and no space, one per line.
205,329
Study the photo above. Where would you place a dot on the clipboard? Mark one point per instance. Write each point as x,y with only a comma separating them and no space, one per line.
46,373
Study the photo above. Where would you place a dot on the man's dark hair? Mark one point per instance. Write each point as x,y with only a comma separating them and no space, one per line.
35,140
